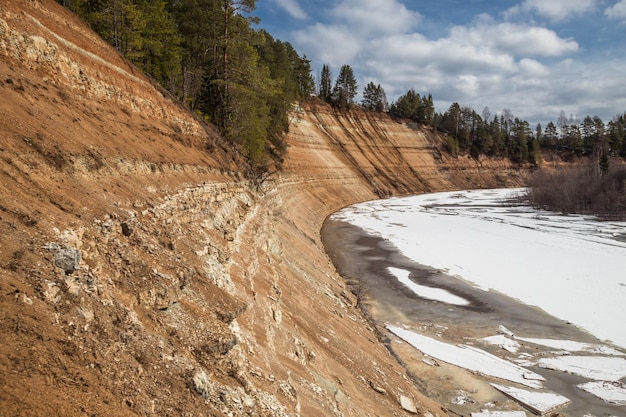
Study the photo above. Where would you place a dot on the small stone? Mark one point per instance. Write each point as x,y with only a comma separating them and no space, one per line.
51,292
277,315
127,229
26,299
68,259
85,313
377,388
73,287
52,246
407,404
201,383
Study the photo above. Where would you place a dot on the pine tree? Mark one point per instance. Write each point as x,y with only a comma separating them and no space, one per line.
616,131
197,24
160,53
325,84
374,98
407,106
369,96
519,142
345,88
604,163
550,135
429,110
292,77
304,80
382,105
239,91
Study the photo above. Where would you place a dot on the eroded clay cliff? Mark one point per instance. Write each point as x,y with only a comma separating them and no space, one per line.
142,274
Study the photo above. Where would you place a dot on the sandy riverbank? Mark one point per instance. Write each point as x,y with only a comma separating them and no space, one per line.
365,259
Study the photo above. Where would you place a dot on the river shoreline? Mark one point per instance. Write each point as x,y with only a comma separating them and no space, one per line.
363,260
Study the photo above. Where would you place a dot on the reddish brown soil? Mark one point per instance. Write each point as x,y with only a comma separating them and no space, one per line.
197,292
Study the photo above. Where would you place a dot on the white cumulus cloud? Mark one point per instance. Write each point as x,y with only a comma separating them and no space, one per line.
331,44
375,17
516,64
617,11
515,39
554,10
532,67
292,8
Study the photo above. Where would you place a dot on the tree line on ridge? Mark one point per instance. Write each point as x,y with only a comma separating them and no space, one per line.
208,54
499,135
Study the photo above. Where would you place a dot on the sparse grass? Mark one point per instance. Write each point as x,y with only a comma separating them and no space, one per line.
581,191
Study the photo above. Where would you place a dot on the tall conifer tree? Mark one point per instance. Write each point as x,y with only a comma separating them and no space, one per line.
325,83
345,88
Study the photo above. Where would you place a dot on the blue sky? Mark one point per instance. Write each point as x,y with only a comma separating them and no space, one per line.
534,57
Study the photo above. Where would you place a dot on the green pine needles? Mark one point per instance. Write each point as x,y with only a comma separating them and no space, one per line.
207,53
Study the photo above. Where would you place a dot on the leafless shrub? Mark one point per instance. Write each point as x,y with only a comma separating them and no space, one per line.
361,290
581,191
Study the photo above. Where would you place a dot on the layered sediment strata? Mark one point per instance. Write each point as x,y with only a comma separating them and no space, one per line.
186,288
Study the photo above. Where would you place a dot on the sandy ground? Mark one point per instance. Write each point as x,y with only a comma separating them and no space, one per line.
363,260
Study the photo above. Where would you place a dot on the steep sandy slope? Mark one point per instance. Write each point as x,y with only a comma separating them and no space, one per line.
140,274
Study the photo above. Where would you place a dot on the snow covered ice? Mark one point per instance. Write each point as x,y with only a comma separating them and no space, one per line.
570,266
539,402
423,291
611,392
599,368
471,358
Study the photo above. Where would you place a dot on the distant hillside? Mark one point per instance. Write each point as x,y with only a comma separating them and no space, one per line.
142,274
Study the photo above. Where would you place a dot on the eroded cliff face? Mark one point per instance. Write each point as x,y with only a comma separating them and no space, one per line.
141,274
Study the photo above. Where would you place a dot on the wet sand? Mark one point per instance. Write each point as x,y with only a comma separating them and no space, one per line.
363,260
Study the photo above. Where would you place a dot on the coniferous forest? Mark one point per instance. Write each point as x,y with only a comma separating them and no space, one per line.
209,55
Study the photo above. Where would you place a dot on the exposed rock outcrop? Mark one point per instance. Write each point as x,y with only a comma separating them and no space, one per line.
174,286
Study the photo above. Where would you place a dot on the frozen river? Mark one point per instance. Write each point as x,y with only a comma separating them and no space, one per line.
572,267
451,273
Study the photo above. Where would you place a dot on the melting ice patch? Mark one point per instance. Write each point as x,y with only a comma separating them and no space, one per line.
435,294
470,358
572,346
611,392
503,342
599,368
538,402
570,266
